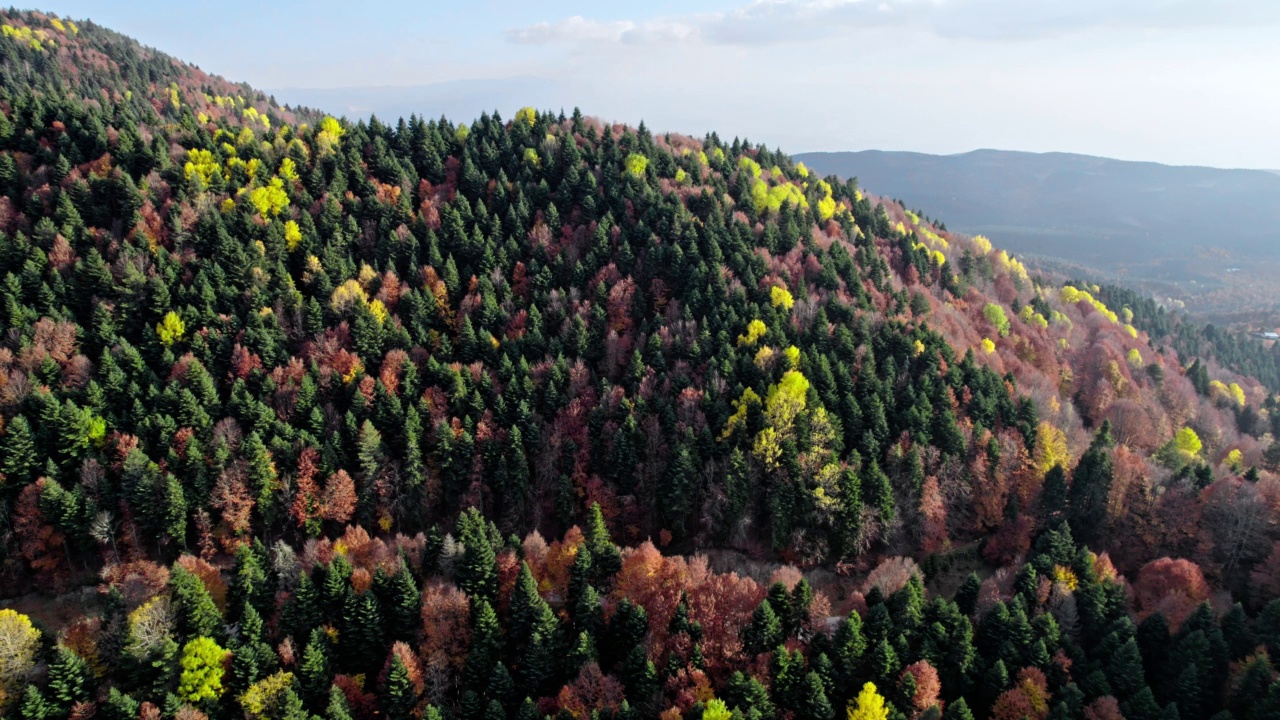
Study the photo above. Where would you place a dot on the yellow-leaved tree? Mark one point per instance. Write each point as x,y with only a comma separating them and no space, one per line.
785,401
19,641
170,329
527,115
755,330
716,710
869,705
1051,448
202,670
1188,442
270,199
330,133
292,234
781,297
637,164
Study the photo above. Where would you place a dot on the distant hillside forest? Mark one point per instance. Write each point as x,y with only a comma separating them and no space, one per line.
1232,348
1151,220
542,417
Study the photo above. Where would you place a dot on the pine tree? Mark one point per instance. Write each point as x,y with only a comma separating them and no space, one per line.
302,612
627,630
486,645
70,681
248,580
314,674
119,706
337,709
398,695
251,658
957,709
605,556
967,595
477,572
404,603
884,664
1090,489
35,707
361,640
848,646
529,613
195,613
765,631
18,459
813,703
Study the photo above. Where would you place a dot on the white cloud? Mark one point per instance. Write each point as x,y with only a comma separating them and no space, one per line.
578,29
776,21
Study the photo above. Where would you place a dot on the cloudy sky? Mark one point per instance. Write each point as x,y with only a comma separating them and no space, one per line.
1174,81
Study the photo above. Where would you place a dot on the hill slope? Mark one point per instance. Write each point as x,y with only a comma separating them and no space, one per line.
1156,220
305,399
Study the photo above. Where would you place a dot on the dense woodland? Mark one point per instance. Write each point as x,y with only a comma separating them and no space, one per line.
1232,348
550,418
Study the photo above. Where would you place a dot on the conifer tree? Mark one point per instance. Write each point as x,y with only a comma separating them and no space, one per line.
398,695
477,572
404,603
34,706
362,643
1090,488
337,708
194,611
486,645
70,681
18,460
314,674
765,631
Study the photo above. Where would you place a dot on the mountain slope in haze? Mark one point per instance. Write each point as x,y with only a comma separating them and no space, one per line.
53,56
306,401
1156,220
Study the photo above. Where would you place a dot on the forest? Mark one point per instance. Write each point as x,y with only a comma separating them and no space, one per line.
551,418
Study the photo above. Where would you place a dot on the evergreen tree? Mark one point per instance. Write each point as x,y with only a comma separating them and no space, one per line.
403,607
337,708
486,646
765,631
1090,489
957,709
314,675
70,682
35,707
195,613
362,644
477,572
18,459
398,695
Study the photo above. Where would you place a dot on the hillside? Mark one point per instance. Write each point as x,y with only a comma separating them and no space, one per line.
545,418
1145,219
48,56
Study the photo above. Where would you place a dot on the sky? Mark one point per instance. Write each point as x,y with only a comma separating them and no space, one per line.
1190,82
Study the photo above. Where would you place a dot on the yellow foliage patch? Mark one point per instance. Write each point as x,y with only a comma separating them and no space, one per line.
755,330
781,297
527,115
292,235
270,199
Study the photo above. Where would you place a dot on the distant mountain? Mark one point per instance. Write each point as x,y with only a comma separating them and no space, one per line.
1156,220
